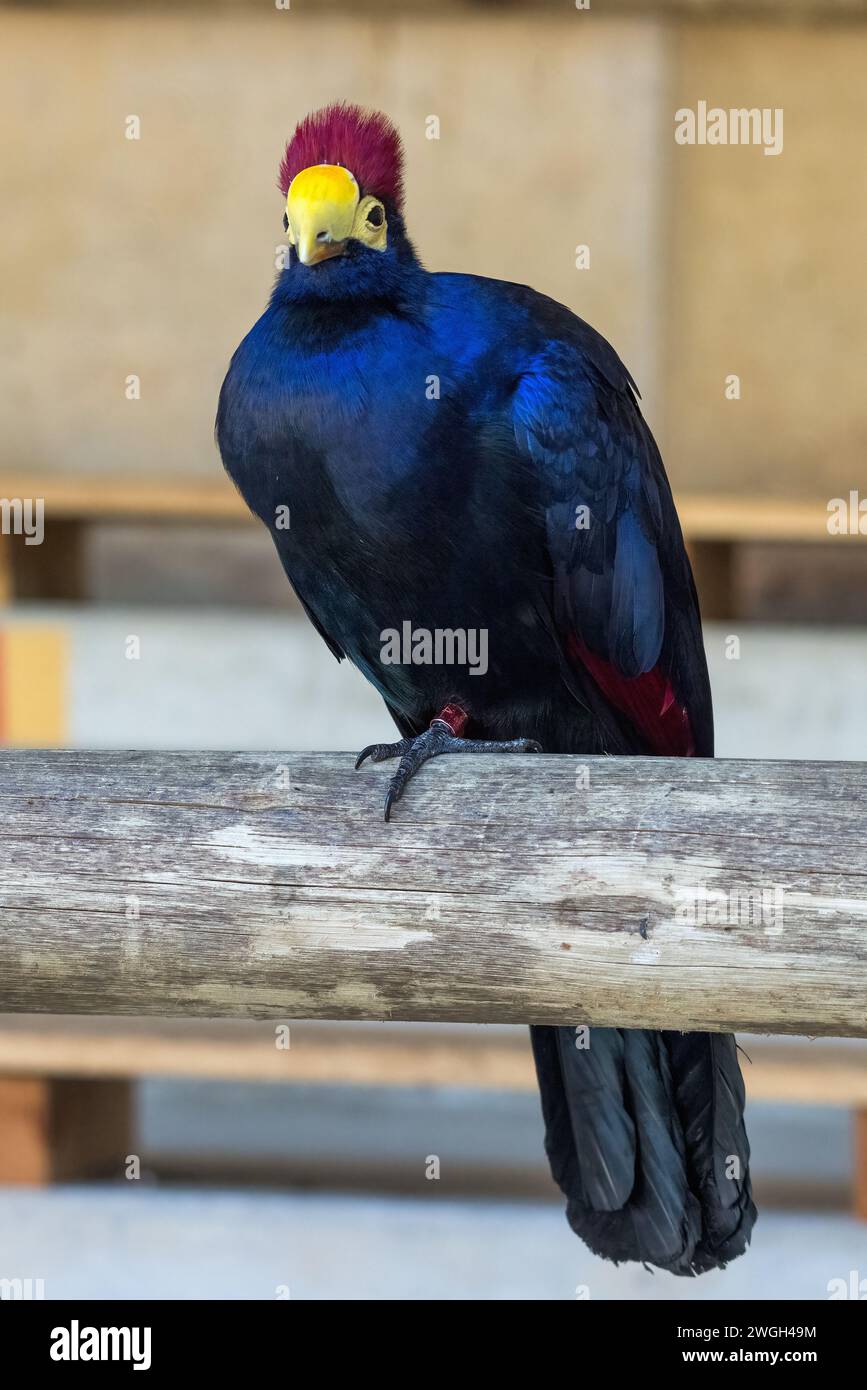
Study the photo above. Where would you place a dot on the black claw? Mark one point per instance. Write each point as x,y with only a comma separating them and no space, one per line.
378,752
413,752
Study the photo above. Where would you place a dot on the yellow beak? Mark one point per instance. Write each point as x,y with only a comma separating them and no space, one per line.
320,209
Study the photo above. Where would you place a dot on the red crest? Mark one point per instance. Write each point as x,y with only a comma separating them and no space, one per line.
364,142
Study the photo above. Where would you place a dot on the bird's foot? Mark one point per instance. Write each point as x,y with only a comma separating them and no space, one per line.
441,737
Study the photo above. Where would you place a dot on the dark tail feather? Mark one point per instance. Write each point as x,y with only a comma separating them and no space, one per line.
709,1095
645,1136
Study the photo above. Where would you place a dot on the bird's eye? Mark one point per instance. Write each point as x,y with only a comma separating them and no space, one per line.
285,221
375,217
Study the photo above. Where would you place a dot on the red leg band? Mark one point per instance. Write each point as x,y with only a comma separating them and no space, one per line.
454,718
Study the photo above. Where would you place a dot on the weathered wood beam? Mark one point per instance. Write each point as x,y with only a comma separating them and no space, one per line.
639,892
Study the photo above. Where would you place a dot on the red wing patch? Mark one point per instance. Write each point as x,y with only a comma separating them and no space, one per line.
648,702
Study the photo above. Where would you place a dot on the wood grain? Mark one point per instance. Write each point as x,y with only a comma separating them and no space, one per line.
267,885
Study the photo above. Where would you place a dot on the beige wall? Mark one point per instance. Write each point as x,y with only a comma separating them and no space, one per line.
769,267
153,257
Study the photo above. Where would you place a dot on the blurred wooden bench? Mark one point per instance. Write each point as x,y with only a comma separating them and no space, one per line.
66,1083
54,570
714,527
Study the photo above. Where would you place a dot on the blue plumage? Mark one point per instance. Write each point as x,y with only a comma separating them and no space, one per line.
426,438
460,454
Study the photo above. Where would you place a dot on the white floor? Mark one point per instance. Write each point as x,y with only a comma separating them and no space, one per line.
235,678
122,1243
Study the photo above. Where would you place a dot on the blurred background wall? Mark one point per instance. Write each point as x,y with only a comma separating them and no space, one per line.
152,256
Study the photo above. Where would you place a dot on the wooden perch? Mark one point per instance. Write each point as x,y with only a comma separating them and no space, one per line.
666,893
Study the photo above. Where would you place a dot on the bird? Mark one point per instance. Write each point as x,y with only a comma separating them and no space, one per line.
470,507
